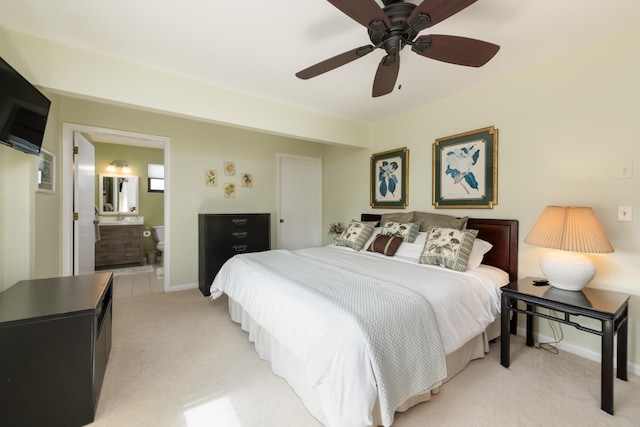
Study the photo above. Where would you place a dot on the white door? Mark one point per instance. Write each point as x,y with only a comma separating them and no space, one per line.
84,201
299,202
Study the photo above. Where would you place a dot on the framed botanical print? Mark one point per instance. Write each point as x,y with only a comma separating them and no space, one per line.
390,179
465,170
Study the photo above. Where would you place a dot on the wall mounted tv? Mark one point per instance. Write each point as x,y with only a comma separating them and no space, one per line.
23,111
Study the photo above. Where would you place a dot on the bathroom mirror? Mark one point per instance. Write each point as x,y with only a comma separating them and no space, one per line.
118,194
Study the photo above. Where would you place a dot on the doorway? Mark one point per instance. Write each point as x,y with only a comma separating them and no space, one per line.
69,249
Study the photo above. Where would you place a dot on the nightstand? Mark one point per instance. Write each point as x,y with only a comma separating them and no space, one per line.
610,308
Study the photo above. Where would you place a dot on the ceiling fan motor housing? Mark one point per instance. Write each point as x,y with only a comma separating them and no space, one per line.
395,38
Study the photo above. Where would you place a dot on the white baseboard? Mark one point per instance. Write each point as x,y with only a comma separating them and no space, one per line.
579,351
183,287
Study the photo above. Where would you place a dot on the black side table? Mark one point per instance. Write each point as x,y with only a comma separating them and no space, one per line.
610,308
55,340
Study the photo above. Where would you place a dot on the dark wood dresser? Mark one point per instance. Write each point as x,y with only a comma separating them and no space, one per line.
55,339
119,246
221,236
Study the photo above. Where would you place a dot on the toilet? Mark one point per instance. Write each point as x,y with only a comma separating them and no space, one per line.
158,235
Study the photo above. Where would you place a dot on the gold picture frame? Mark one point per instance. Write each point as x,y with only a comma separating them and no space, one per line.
390,179
465,170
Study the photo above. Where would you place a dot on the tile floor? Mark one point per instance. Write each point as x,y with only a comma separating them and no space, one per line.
126,285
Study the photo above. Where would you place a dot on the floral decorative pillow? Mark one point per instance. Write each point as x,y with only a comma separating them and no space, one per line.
356,235
448,247
387,245
408,231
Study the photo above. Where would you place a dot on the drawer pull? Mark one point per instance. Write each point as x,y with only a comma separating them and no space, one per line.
239,248
239,234
239,221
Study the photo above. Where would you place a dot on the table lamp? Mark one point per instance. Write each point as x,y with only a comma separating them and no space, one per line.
571,230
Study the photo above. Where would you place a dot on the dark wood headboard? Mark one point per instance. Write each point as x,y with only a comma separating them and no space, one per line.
501,233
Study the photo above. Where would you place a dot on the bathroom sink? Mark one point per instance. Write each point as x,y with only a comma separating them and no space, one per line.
124,220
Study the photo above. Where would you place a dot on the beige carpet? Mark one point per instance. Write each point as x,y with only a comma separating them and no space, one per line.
177,360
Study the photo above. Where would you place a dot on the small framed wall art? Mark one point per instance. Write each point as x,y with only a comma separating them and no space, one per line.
390,179
229,168
211,178
247,180
229,190
465,170
46,172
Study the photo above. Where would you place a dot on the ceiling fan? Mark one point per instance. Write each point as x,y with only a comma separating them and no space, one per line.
396,25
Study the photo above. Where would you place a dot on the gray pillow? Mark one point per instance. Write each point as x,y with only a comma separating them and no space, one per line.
429,220
402,217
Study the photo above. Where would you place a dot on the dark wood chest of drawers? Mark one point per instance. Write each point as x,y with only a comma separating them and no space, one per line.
55,339
221,236
119,245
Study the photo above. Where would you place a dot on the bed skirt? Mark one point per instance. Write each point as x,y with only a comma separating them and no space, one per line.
286,365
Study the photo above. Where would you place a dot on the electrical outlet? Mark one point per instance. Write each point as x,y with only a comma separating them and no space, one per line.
624,213
625,170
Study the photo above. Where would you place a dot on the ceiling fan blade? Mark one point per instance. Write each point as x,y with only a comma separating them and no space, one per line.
386,75
455,50
334,62
437,10
362,11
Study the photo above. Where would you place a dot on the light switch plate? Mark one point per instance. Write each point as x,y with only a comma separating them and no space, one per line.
624,213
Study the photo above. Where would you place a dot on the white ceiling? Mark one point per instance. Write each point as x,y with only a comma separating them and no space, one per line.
256,46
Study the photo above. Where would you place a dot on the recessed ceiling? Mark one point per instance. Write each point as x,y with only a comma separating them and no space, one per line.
256,46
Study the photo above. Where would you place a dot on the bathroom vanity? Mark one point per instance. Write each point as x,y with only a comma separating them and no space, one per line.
120,242
120,245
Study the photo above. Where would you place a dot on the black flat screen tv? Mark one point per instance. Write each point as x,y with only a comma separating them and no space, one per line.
23,111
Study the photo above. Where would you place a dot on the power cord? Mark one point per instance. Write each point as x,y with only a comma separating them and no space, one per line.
552,346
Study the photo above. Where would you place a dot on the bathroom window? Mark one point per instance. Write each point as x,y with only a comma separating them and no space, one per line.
155,178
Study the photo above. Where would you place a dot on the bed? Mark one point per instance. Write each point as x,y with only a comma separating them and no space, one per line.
352,356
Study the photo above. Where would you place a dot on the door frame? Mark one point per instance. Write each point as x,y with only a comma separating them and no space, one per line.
67,171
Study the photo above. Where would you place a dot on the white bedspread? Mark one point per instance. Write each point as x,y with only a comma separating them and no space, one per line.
330,345
465,303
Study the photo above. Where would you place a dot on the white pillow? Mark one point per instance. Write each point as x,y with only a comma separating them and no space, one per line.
412,250
480,247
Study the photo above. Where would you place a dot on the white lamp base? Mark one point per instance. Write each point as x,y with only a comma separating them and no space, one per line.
570,271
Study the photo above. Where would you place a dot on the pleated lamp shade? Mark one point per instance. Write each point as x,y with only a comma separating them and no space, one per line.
570,229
